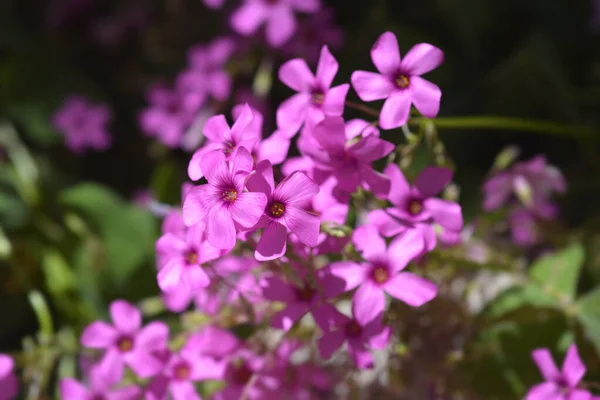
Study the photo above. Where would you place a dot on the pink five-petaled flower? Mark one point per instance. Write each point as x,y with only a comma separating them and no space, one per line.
400,82
349,164
99,388
315,98
382,272
278,15
285,211
182,260
415,207
8,380
222,201
83,124
362,332
224,139
126,343
559,385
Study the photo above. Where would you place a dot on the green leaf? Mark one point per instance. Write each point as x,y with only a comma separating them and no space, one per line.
517,297
558,273
588,313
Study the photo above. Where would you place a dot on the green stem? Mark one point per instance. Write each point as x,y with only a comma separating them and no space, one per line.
507,123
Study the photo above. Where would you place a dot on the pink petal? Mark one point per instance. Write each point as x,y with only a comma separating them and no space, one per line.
411,289
371,148
70,389
274,148
272,243
220,85
327,69
330,134
421,59
371,86
333,104
367,240
214,166
386,224
277,290
7,365
212,341
296,189
153,337
248,208
216,128
262,180
544,391
348,276
400,189
296,75
580,394
280,26
381,338
241,123
330,342
292,112
220,230
303,224
207,368
126,317
246,19
194,169
432,180
98,335
361,355
404,248
242,164
170,244
143,364
169,276
195,278
396,110
446,213
573,369
374,181
125,393
368,303
426,96
111,366
198,202
286,318
328,317
356,127
183,390
386,55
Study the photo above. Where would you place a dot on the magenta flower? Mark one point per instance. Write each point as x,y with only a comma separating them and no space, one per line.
559,385
382,272
399,81
241,366
224,139
83,124
222,201
315,98
9,387
126,342
277,15
361,332
349,164
416,208
285,211
100,388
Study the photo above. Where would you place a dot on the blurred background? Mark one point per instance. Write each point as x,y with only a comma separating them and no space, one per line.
78,230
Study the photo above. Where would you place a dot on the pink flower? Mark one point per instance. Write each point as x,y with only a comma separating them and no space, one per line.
285,211
241,366
416,208
224,139
9,387
399,81
126,342
277,15
559,385
222,201
83,124
100,388
316,97
361,332
382,272
349,164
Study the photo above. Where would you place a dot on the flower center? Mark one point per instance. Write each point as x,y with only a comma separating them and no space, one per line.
241,373
305,294
276,209
229,195
415,207
353,329
318,98
402,81
182,371
228,148
125,344
191,257
381,275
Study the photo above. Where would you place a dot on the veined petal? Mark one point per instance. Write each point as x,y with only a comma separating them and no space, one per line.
241,123
248,208
296,189
303,224
272,243
198,203
220,230
216,128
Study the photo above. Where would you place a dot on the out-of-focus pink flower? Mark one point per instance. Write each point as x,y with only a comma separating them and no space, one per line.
277,15
559,385
100,387
83,124
242,365
9,387
126,342
361,332
416,208
399,81
222,201
315,98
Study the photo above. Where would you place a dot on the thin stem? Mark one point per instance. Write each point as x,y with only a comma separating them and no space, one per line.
363,108
507,123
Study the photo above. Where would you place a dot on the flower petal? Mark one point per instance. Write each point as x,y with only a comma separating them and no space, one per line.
248,208
386,54
573,369
367,240
297,189
275,289
371,86
272,243
143,364
111,366
292,112
207,368
214,166
98,335
327,69
183,390
360,354
446,213
198,203
195,278
356,127
303,224
169,276
241,123
330,134
544,391
374,181
170,244
220,230
411,289
432,180
422,58
153,337
280,26
371,148
580,394
70,389
262,180
348,276
333,104
125,393
404,248
396,110
286,318
126,317
400,189
426,96
368,303
330,342
296,75
216,128
387,225
246,19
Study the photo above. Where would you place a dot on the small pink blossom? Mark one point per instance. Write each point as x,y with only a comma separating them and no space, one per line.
9,387
100,387
399,81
